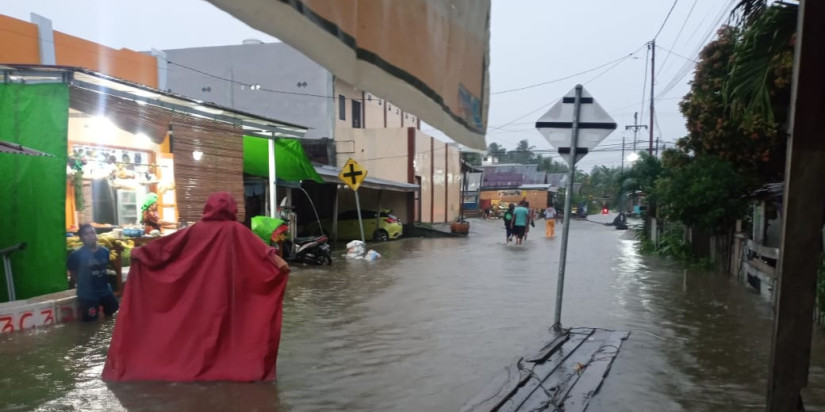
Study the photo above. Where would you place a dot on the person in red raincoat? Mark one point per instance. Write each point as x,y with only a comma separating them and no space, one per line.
202,304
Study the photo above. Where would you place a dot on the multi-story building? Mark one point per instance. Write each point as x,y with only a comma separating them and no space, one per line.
274,80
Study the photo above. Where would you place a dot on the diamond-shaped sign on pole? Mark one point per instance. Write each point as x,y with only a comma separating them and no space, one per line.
557,125
574,125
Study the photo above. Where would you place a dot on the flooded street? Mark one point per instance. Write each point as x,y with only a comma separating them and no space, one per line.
429,325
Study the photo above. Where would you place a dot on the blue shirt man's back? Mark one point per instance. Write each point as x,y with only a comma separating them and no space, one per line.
520,213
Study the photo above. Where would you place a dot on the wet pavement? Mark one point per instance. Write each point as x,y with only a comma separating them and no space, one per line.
429,325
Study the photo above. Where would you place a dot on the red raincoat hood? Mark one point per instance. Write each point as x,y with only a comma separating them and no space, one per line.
220,206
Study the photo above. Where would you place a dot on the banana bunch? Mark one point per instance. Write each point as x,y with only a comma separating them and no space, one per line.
73,243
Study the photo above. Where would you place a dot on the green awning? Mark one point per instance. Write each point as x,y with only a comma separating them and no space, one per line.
291,162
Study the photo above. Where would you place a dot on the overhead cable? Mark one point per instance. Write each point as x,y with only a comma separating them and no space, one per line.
629,55
678,35
666,18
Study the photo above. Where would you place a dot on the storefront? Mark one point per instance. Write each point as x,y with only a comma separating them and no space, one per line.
114,143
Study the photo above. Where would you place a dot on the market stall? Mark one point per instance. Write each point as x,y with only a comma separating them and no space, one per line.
116,144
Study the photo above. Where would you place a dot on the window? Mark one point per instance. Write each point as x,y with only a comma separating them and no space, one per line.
342,107
356,114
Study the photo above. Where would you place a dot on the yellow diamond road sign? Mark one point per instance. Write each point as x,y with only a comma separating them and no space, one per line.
352,174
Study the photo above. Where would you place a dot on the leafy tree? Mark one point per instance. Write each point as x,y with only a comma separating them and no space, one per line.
472,158
523,153
551,166
642,175
494,149
602,183
737,108
706,193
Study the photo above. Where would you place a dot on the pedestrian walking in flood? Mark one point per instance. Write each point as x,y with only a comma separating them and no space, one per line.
521,217
530,220
550,222
508,223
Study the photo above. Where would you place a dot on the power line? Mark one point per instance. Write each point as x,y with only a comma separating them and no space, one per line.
685,69
520,117
675,54
605,71
666,17
644,86
678,35
568,76
614,62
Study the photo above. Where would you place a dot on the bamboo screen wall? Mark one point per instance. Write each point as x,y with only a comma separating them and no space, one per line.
219,170
153,121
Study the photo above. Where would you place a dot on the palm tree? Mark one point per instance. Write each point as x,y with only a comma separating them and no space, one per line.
494,149
763,61
523,154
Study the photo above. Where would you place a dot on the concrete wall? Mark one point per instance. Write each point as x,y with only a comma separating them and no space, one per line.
423,166
276,67
373,111
46,310
384,153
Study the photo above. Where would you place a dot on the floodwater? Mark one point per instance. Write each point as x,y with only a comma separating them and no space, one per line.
429,325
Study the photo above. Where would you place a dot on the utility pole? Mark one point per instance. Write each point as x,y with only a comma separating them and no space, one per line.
657,146
652,71
635,127
622,153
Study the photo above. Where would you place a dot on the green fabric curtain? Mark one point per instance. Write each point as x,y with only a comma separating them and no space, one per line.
33,188
291,162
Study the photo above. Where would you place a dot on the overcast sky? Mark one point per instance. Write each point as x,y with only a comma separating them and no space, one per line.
532,42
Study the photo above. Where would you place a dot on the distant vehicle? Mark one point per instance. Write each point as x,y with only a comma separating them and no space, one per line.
384,227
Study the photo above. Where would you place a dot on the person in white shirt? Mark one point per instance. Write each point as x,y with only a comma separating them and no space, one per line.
550,222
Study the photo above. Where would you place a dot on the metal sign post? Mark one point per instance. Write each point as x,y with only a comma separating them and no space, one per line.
577,113
360,221
568,203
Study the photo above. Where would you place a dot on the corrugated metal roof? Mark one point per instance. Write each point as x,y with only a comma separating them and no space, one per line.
512,175
330,175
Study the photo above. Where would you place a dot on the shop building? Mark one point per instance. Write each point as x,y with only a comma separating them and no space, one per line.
274,80
503,184
112,142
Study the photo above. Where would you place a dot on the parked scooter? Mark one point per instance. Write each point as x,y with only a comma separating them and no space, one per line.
309,249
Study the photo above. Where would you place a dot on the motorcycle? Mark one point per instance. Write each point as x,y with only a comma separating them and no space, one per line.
314,250
309,249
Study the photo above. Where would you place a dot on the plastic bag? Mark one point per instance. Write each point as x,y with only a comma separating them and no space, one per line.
355,249
372,255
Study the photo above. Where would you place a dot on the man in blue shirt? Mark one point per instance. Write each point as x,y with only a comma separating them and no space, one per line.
521,217
87,267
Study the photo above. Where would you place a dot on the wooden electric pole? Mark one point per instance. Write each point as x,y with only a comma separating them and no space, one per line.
652,82
802,216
